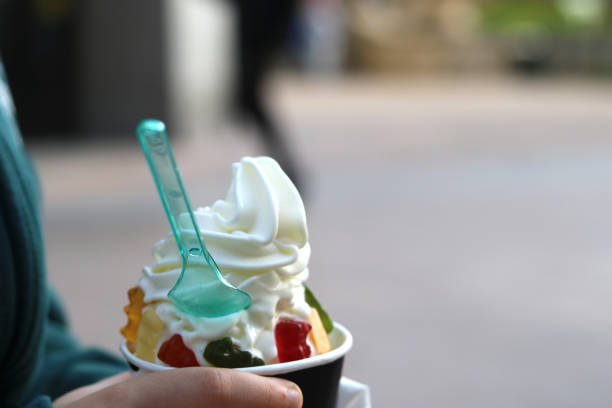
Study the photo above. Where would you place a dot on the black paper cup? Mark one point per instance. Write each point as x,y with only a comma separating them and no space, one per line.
318,377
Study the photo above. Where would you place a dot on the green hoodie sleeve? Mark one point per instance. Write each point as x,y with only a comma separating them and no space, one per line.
38,355
65,365
40,402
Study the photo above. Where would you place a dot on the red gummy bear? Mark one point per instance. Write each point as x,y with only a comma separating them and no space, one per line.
174,353
290,338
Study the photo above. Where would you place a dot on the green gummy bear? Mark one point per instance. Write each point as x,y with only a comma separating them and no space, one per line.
224,353
313,302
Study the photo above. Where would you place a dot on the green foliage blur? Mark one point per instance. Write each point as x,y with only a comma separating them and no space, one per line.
547,18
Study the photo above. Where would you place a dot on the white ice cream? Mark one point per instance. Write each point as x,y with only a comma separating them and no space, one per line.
259,239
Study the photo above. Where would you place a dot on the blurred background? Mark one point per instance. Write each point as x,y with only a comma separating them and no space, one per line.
454,157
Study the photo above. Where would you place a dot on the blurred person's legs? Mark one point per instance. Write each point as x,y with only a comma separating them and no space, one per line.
263,27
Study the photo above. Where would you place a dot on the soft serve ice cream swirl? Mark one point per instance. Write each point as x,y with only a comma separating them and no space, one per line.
259,239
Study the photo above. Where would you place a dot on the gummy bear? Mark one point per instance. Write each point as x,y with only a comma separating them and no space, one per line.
290,338
176,354
318,335
149,331
323,315
224,353
133,312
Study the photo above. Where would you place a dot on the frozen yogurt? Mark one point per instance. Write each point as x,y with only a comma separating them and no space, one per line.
259,238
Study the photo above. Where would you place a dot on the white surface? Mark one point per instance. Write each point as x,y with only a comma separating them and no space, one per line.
353,394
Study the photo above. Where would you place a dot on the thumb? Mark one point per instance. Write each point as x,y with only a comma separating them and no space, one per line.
75,395
201,388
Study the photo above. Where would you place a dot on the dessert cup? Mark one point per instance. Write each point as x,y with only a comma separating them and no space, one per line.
318,377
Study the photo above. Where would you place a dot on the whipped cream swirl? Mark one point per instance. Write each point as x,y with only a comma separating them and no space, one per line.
259,239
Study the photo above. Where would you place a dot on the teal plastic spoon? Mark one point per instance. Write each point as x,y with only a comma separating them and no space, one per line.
200,290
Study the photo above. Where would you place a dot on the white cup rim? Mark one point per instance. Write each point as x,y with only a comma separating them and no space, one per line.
270,369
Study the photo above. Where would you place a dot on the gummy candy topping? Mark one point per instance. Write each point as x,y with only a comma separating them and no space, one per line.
318,335
224,353
149,332
290,336
323,315
174,353
133,312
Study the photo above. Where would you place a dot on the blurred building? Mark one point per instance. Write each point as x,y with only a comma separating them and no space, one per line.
37,44
459,35
87,67
412,35
98,67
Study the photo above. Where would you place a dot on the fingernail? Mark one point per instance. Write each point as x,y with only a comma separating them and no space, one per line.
294,397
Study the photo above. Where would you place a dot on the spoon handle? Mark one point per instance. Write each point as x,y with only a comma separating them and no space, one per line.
154,140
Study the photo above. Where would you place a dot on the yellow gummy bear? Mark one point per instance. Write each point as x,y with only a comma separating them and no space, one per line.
133,312
149,332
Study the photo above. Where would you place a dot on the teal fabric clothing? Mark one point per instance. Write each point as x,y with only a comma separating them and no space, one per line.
40,402
39,358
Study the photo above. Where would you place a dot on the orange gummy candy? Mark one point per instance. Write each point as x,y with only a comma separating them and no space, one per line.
133,312
318,335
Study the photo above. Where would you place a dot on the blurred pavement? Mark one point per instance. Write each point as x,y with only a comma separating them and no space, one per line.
460,228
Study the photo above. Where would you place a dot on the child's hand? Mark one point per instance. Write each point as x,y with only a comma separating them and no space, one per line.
184,388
